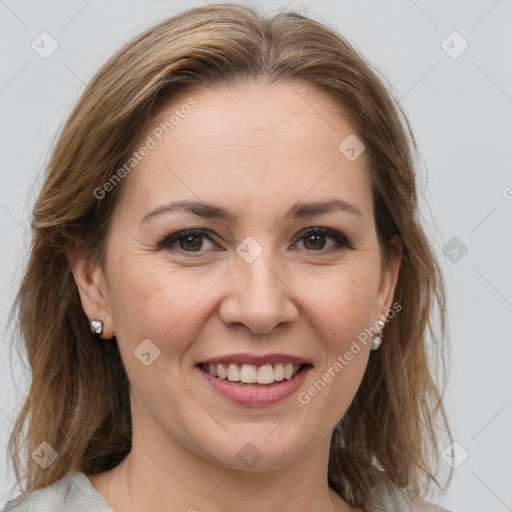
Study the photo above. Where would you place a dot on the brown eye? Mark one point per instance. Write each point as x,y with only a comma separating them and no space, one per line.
314,242
315,239
193,242
188,241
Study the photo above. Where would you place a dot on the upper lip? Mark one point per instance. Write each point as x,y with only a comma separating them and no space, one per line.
257,360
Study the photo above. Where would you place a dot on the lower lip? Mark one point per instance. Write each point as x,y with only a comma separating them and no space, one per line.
256,396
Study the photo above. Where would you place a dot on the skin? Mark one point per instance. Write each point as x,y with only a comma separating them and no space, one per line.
255,150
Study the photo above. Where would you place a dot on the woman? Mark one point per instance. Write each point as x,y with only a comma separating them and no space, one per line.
227,232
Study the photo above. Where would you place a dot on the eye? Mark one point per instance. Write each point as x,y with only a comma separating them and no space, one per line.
190,240
314,239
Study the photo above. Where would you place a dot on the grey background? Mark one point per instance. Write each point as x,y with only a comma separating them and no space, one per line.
460,109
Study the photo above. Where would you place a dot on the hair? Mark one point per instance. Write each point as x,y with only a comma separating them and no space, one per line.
78,399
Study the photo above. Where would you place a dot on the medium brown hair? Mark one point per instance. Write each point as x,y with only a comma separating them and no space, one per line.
78,400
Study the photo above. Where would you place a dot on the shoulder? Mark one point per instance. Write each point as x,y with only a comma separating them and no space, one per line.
72,493
387,497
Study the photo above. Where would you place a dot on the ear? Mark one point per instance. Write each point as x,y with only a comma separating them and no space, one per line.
91,284
388,279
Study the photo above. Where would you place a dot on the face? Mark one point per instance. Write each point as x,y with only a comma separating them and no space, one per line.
268,264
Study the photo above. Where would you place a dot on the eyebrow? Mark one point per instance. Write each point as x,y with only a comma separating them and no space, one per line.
212,211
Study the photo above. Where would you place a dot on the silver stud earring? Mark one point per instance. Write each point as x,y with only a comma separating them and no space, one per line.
377,340
97,327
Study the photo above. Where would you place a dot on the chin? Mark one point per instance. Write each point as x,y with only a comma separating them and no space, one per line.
255,450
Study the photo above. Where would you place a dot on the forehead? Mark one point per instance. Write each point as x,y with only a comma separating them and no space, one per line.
278,142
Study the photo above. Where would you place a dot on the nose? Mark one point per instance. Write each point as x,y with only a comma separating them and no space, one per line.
258,297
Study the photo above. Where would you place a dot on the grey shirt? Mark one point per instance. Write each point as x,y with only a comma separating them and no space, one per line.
74,493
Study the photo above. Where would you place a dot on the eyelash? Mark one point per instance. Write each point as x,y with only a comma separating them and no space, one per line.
170,239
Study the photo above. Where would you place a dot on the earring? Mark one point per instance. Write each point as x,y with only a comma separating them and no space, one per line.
377,340
97,327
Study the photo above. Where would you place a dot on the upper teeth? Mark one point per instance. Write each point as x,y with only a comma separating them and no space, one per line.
250,373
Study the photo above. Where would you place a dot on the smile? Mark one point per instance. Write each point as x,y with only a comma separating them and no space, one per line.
267,374
254,385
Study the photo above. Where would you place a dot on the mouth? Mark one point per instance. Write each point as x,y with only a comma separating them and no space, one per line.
250,375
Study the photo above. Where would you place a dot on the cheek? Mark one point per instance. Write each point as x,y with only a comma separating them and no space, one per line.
340,311
151,299
342,300
341,308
